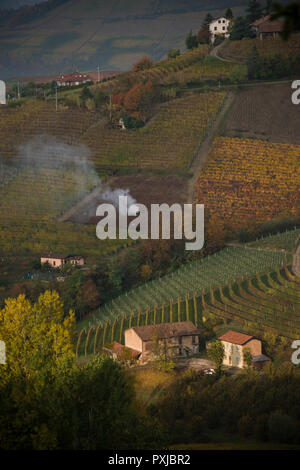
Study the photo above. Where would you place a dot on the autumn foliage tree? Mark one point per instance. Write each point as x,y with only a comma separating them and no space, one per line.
144,63
139,99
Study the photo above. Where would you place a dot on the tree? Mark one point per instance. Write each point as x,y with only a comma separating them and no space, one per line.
191,41
269,7
100,99
203,36
254,11
37,336
173,53
248,358
161,351
85,95
229,14
216,353
291,16
241,29
207,20
144,63
88,297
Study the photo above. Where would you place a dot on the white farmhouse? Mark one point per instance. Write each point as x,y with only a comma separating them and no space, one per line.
219,27
2,92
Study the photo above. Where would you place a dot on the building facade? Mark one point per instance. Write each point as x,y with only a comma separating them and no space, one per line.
177,339
57,261
73,79
264,28
219,27
235,346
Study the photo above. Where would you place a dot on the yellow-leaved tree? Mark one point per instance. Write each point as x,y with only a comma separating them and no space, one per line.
38,337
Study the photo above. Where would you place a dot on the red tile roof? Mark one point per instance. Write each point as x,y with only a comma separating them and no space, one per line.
235,337
74,77
264,25
166,330
261,20
118,348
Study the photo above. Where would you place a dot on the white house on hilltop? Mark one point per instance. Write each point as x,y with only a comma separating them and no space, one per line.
2,92
219,27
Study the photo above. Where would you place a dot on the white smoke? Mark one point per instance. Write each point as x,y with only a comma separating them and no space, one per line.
113,197
46,152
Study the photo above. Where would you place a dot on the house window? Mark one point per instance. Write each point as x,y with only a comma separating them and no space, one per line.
193,340
223,28
180,351
53,263
219,21
215,28
179,339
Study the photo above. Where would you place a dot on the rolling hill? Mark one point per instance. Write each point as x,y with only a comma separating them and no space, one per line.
86,33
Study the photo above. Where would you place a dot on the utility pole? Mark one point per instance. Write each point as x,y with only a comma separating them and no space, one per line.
56,97
98,74
110,106
19,96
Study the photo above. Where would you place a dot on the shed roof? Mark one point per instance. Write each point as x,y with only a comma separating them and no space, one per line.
260,358
118,348
235,337
166,330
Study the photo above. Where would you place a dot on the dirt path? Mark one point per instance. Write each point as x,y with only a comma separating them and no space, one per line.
204,148
215,52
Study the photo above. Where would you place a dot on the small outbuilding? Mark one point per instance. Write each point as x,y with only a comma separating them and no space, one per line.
265,28
235,346
59,260
120,352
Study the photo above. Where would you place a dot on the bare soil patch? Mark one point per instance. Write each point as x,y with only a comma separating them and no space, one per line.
264,112
144,188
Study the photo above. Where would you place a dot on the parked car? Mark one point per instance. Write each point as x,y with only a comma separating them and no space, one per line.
209,371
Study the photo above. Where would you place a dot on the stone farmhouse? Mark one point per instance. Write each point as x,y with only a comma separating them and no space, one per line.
264,28
73,79
236,344
179,338
57,261
219,27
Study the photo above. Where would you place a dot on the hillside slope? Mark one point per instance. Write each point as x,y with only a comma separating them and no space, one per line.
85,33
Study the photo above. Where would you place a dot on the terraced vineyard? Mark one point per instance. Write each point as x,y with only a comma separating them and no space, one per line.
197,277
246,182
162,69
266,302
31,200
35,117
282,241
168,141
207,70
240,50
